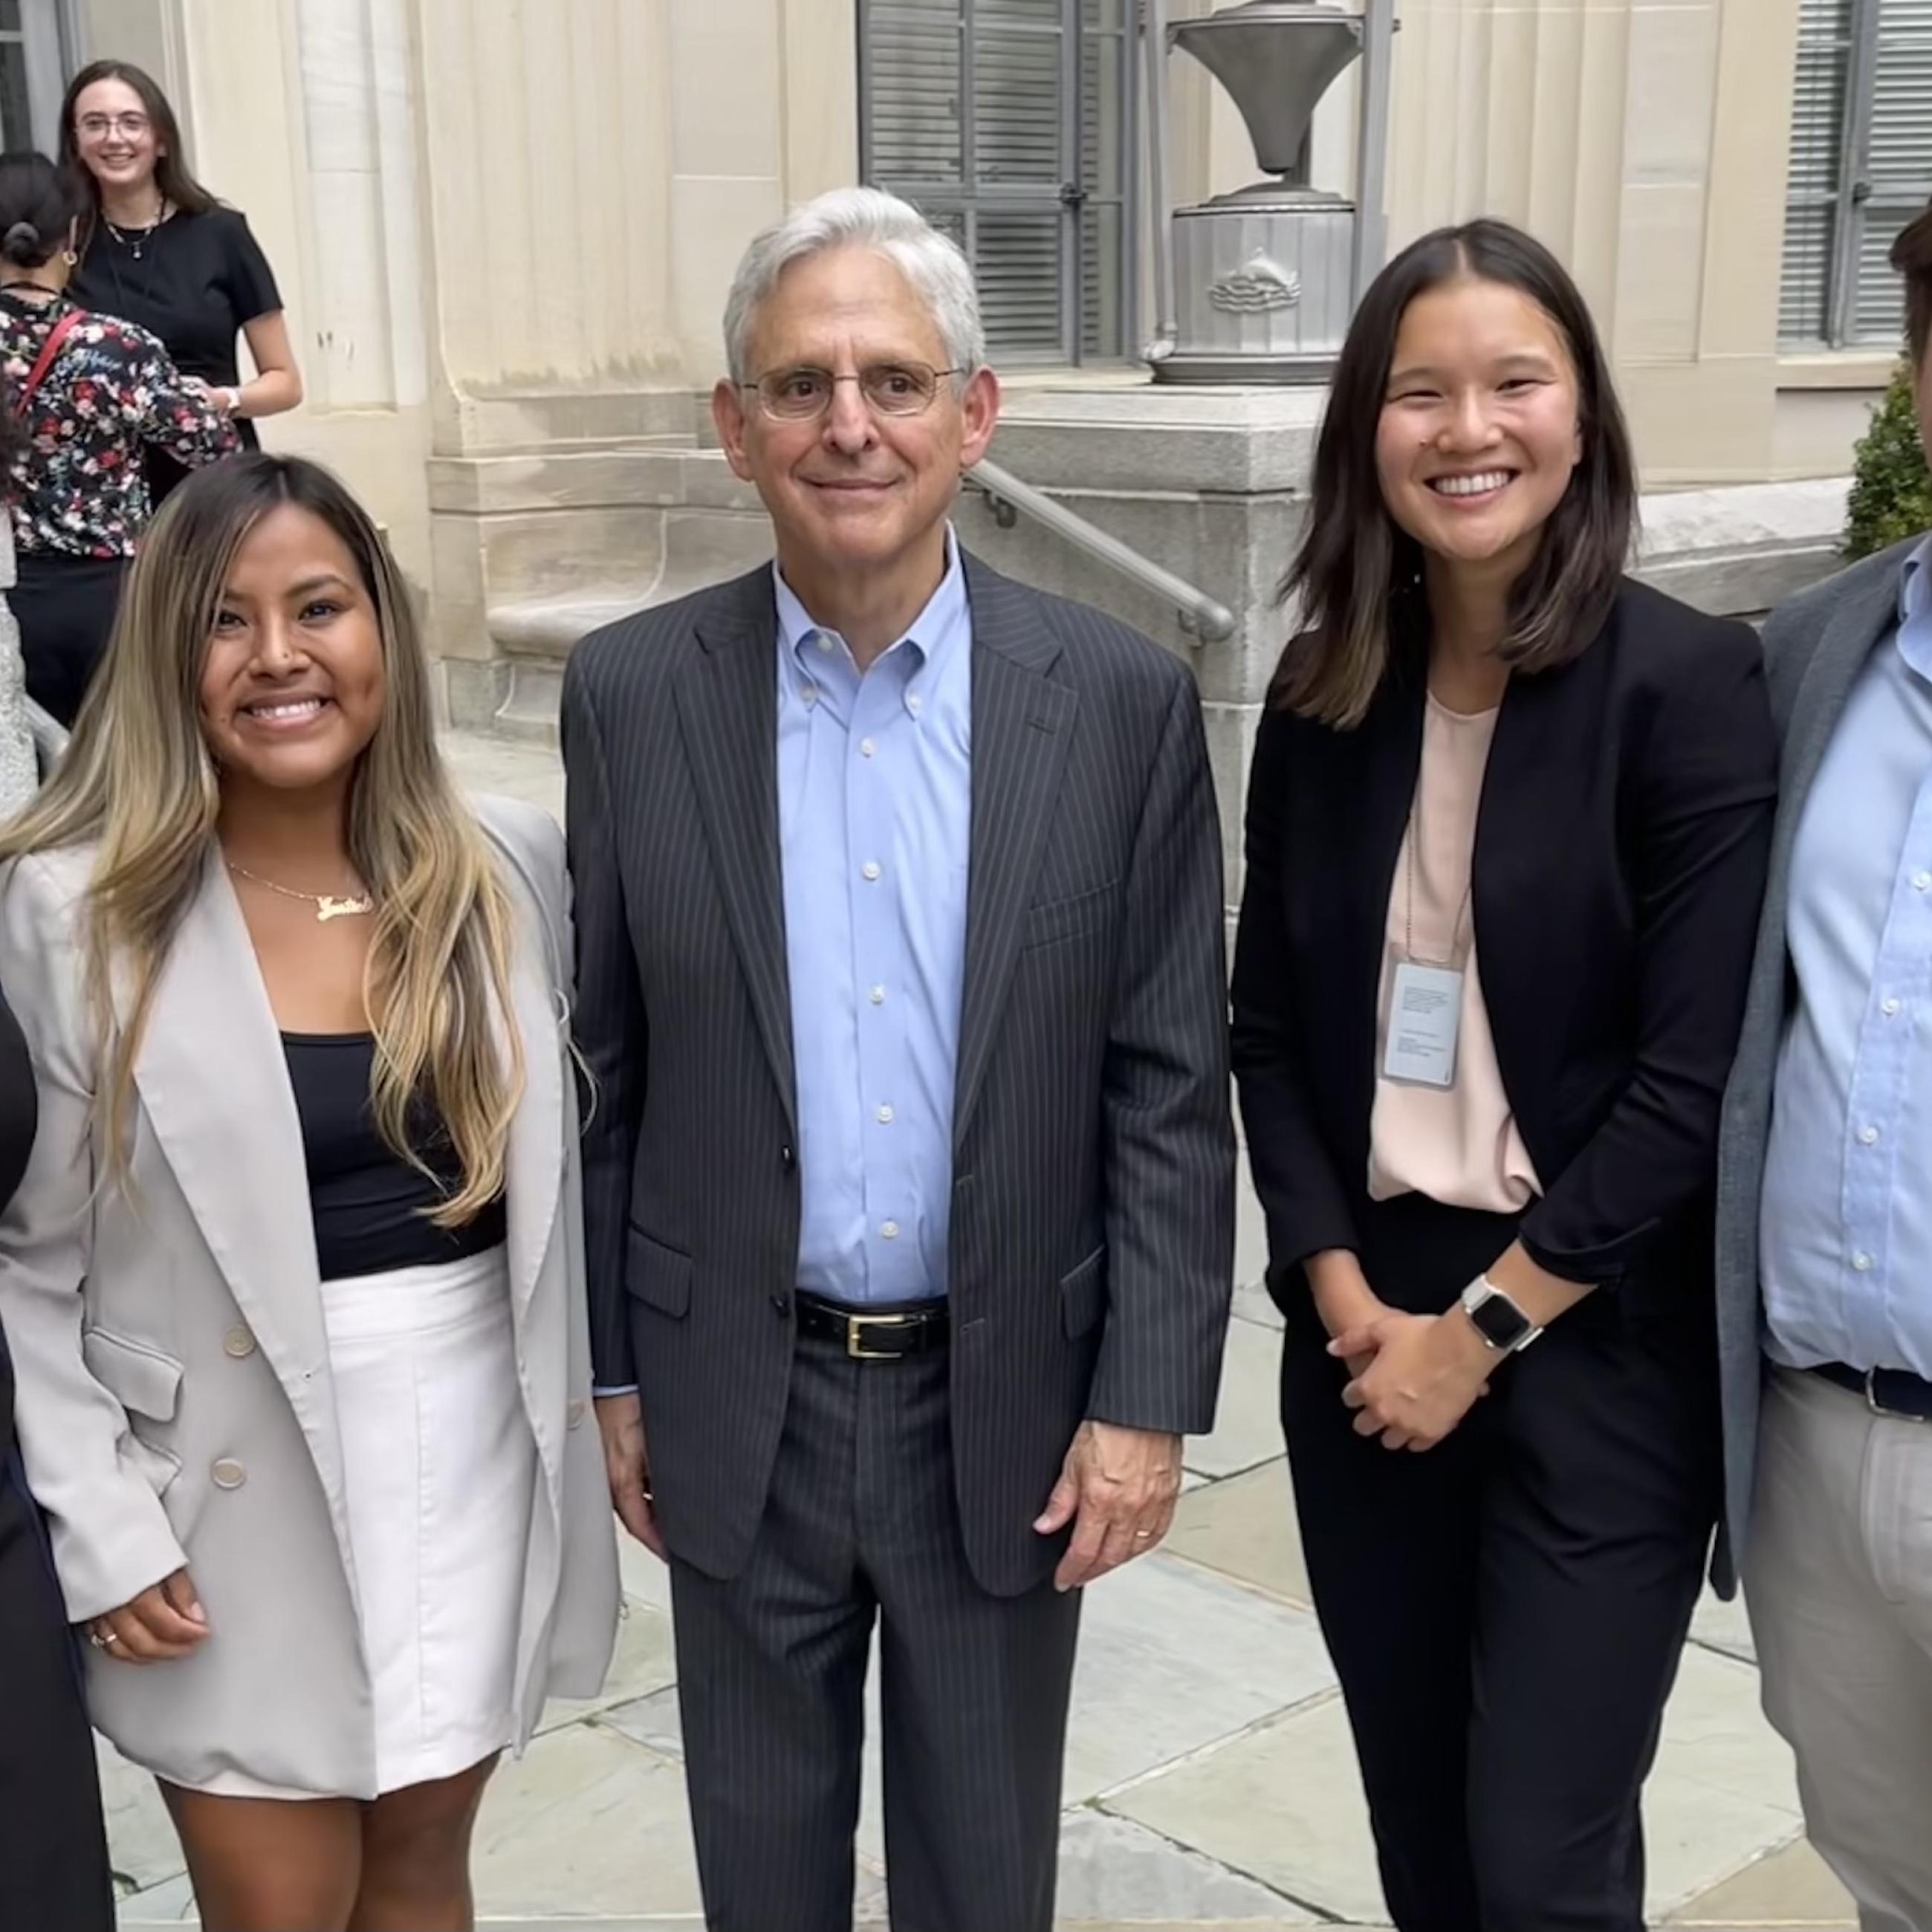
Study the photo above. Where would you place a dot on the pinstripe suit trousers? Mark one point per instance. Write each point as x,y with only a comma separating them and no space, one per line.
861,1526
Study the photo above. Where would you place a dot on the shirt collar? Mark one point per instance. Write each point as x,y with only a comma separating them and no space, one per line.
930,632
1915,584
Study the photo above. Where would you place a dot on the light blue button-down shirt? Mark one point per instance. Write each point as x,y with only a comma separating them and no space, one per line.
875,830
1846,1220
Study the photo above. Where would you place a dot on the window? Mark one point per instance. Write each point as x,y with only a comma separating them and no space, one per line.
1860,167
1010,124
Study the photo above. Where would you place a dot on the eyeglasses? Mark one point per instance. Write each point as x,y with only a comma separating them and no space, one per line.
889,389
95,126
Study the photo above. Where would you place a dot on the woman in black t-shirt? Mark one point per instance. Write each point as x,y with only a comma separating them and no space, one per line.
160,251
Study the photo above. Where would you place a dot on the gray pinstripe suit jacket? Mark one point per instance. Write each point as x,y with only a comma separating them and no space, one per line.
1092,1237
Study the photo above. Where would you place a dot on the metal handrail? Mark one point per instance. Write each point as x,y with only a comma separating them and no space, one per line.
1205,621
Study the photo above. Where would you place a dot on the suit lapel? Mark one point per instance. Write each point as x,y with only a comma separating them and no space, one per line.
1854,628
233,1143
1022,728
728,707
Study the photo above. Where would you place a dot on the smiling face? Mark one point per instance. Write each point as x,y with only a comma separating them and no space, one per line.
1479,430
293,685
117,140
854,490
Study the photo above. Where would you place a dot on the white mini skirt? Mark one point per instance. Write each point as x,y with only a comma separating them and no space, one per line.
440,1471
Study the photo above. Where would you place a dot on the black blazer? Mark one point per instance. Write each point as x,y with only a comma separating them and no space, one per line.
1622,845
1092,1233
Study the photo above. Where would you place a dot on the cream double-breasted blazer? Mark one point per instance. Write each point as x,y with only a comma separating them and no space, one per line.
175,1399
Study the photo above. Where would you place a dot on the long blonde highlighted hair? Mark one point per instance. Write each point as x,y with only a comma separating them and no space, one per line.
138,782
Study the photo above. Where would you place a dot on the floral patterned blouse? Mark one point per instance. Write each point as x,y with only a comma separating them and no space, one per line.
78,487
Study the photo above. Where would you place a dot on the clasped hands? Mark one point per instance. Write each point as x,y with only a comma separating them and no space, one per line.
1412,1378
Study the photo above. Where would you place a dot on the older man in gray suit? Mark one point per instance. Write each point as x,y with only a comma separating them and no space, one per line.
909,1183
1825,1205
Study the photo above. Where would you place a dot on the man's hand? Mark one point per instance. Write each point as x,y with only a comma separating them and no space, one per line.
1120,1484
620,1421
1428,1372
165,1621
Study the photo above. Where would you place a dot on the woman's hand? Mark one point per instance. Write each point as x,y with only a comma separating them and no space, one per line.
165,1621
1426,1373
1344,1300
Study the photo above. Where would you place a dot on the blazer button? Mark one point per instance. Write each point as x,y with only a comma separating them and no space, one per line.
573,1416
228,1474
781,1304
788,1159
239,1342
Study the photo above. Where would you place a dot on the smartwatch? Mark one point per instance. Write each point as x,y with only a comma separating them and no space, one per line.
1503,1326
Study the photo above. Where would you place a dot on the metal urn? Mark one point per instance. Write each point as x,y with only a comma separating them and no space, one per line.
1264,279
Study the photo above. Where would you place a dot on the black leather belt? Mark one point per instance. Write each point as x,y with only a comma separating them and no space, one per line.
1894,1392
876,1334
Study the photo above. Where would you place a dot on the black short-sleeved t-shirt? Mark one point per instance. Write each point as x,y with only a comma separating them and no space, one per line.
198,280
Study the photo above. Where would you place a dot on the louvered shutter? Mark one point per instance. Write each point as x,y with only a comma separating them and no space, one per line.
1898,162
1817,138
971,111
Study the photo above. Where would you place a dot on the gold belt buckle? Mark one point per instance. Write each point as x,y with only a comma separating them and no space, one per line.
855,1327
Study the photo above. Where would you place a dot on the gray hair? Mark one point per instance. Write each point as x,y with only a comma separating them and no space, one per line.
861,218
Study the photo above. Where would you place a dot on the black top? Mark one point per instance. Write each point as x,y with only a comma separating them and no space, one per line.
198,280
1620,860
371,1207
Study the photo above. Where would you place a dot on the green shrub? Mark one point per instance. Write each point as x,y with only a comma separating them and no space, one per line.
1891,487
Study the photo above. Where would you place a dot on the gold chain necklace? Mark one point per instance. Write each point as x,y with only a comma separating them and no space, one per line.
328,905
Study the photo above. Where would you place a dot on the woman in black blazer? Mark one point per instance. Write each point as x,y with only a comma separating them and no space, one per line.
1486,742
53,1851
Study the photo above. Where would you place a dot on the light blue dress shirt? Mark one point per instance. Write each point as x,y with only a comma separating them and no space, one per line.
1846,1220
875,830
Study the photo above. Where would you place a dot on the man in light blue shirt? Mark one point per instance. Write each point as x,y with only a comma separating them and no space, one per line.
909,1187
1825,1206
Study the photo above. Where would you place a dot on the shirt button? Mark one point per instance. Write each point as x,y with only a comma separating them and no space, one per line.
1890,1009
824,642
877,996
889,1230
1866,1136
1922,882
885,1116
866,747
1862,1261
915,704
238,1343
228,1474
809,693
870,869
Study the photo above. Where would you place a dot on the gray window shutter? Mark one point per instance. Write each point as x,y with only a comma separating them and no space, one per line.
1817,138
1898,162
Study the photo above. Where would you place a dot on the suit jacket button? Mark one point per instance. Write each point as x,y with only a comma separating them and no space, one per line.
573,1416
782,1303
789,1158
228,1474
239,1342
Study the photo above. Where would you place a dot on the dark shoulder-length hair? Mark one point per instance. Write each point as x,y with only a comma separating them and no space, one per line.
1356,575
171,173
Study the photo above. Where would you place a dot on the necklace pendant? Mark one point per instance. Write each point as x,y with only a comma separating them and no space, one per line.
328,907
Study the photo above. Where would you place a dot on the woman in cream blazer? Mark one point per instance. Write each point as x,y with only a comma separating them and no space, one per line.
184,1405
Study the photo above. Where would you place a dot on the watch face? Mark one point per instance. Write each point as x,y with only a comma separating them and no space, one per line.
1499,1321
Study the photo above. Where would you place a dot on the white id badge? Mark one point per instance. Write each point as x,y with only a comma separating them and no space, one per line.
1425,1010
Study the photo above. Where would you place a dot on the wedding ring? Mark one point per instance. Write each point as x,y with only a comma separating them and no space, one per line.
1143,1535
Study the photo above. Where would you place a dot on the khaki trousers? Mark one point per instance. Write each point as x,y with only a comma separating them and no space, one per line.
1838,1580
